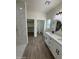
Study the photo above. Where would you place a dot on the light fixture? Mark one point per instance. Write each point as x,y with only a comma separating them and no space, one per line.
47,2
20,8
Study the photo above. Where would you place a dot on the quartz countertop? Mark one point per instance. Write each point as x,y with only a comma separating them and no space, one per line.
55,37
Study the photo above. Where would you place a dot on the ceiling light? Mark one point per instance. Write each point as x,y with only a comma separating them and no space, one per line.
47,2
20,8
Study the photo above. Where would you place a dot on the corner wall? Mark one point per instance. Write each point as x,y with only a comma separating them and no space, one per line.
21,28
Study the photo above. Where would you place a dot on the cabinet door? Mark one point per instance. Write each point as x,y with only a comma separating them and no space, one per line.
57,51
53,48
47,40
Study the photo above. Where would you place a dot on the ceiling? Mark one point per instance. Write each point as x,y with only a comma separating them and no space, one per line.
40,6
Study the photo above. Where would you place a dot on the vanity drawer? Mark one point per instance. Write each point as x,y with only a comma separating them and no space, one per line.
57,51
47,38
48,42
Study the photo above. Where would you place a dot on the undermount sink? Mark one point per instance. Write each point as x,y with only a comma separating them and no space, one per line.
56,37
59,37
58,34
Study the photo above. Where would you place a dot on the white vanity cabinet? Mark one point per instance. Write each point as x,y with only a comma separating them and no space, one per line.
47,40
57,50
54,47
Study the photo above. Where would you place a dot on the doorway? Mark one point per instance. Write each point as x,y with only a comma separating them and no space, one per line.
30,25
40,27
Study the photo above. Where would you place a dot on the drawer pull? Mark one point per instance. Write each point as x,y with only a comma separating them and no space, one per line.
57,51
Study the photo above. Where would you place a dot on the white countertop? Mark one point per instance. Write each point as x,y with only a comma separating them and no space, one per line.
55,37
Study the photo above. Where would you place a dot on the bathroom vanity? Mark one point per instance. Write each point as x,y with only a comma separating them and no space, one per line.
54,43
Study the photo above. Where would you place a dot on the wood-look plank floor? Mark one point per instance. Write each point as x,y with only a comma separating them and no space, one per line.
37,49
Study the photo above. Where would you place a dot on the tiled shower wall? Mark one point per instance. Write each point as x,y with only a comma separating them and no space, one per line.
21,28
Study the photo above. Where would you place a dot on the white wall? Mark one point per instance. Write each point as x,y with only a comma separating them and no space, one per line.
36,15
21,29
40,26
35,28
52,12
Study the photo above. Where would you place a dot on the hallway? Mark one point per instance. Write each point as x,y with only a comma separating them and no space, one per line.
37,49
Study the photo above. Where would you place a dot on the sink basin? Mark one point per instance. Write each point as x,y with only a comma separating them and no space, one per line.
59,37
56,37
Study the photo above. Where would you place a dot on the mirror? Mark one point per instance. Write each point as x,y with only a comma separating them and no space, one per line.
58,26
